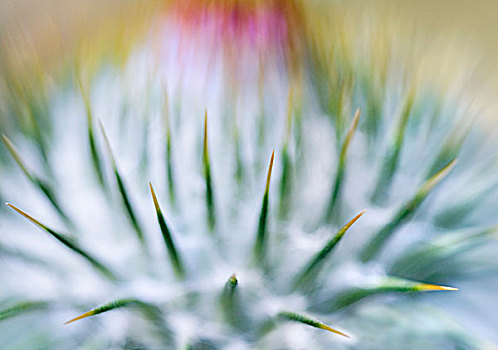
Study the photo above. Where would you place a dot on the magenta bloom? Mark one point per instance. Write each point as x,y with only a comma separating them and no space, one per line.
240,34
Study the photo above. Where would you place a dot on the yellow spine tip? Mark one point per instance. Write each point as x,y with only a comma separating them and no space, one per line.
431,287
332,330
353,220
85,315
16,209
154,198
268,177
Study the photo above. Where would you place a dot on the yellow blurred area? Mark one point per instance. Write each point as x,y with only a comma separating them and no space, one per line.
53,25
470,25
442,37
49,28
42,36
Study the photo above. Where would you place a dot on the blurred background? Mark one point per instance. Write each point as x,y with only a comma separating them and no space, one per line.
48,32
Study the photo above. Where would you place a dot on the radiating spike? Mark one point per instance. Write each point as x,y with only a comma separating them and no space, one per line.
123,192
406,211
260,244
176,261
285,184
374,97
17,157
104,308
391,159
22,308
96,159
150,311
82,316
35,116
107,143
43,186
211,216
291,316
349,136
341,167
385,285
69,244
435,179
268,176
29,217
310,271
285,181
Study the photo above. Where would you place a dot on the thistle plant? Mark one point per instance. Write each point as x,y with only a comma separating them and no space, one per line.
340,206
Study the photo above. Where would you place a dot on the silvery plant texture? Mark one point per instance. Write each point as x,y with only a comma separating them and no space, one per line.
259,186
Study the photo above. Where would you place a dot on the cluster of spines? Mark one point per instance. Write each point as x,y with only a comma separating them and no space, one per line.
303,279
176,261
342,86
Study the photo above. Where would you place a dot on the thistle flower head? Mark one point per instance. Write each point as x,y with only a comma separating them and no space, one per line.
173,215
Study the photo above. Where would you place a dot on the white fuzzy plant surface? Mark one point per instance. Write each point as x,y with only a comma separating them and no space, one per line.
354,234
